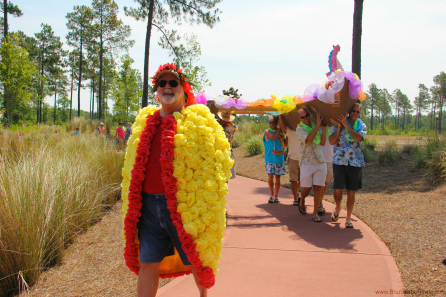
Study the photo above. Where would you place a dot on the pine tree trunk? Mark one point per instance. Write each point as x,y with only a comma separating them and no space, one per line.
55,96
145,92
71,96
5,19
90,104
80,81
357,32
92,112
100,71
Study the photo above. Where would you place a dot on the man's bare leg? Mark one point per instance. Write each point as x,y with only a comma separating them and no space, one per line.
324,191
304,193
350,204
337,195
295,189
317,201
271,184
148,279
203,291
277,185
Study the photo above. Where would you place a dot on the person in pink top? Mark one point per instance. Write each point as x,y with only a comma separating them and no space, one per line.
120,134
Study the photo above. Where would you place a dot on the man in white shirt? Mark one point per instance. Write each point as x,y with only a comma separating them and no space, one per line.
313,170
293,160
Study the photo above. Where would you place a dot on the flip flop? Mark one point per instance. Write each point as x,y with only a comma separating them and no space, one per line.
271,200
348,225
321,210
276,200
304,211
317,220
296,202
334,217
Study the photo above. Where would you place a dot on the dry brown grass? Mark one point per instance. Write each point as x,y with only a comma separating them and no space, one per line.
398,203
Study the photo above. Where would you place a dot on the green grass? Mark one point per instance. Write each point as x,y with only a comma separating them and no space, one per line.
390,155
254,146
52,186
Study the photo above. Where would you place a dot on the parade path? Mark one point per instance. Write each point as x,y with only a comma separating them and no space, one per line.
273,250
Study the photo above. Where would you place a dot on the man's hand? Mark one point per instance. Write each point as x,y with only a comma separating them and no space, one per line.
319,118
335,123
343,119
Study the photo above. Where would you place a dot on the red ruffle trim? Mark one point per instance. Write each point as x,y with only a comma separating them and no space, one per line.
135,200
206,277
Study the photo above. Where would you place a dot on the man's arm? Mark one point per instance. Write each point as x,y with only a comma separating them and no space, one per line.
313,133
324,135
282,125
273,136
334,136
356,136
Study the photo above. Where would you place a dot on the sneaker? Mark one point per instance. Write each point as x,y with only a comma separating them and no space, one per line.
271,200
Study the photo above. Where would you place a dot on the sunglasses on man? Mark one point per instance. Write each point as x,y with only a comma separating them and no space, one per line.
173,83
357,111
272,123
305,116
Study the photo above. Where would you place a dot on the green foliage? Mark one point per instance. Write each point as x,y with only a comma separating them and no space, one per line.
186,56
370,143
232,92
160,12
369,154
16,74
254,146
110,34
127,90
391,154
52,186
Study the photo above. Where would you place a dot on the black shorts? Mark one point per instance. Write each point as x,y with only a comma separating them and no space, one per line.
348,177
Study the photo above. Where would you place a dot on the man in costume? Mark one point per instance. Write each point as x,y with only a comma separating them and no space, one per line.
174,186
293,160
313,169
229,127
274,142
348,160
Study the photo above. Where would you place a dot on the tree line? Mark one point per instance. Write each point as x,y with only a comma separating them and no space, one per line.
34,68
395,110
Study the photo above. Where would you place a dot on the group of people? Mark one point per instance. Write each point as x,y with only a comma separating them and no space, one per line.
122,134
159,239
317,155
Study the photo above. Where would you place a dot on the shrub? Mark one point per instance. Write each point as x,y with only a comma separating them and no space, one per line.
369,154
254,146
437,166
409,149
370,143
419,157
391,155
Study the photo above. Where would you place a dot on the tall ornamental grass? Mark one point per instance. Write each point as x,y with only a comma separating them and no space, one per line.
52,186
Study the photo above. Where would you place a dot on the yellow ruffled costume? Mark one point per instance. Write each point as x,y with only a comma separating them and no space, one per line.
196,188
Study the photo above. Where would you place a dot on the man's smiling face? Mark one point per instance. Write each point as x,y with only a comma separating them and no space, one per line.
168,94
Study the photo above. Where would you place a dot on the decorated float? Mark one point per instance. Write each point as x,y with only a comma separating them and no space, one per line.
334,97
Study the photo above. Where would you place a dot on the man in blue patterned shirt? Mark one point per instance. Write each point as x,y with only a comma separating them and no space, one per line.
348,160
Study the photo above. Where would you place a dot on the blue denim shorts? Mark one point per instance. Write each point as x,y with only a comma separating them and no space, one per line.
156,233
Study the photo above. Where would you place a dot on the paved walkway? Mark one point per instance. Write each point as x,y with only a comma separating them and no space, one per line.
273,250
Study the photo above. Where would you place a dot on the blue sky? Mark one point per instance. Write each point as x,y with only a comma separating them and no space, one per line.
281,47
